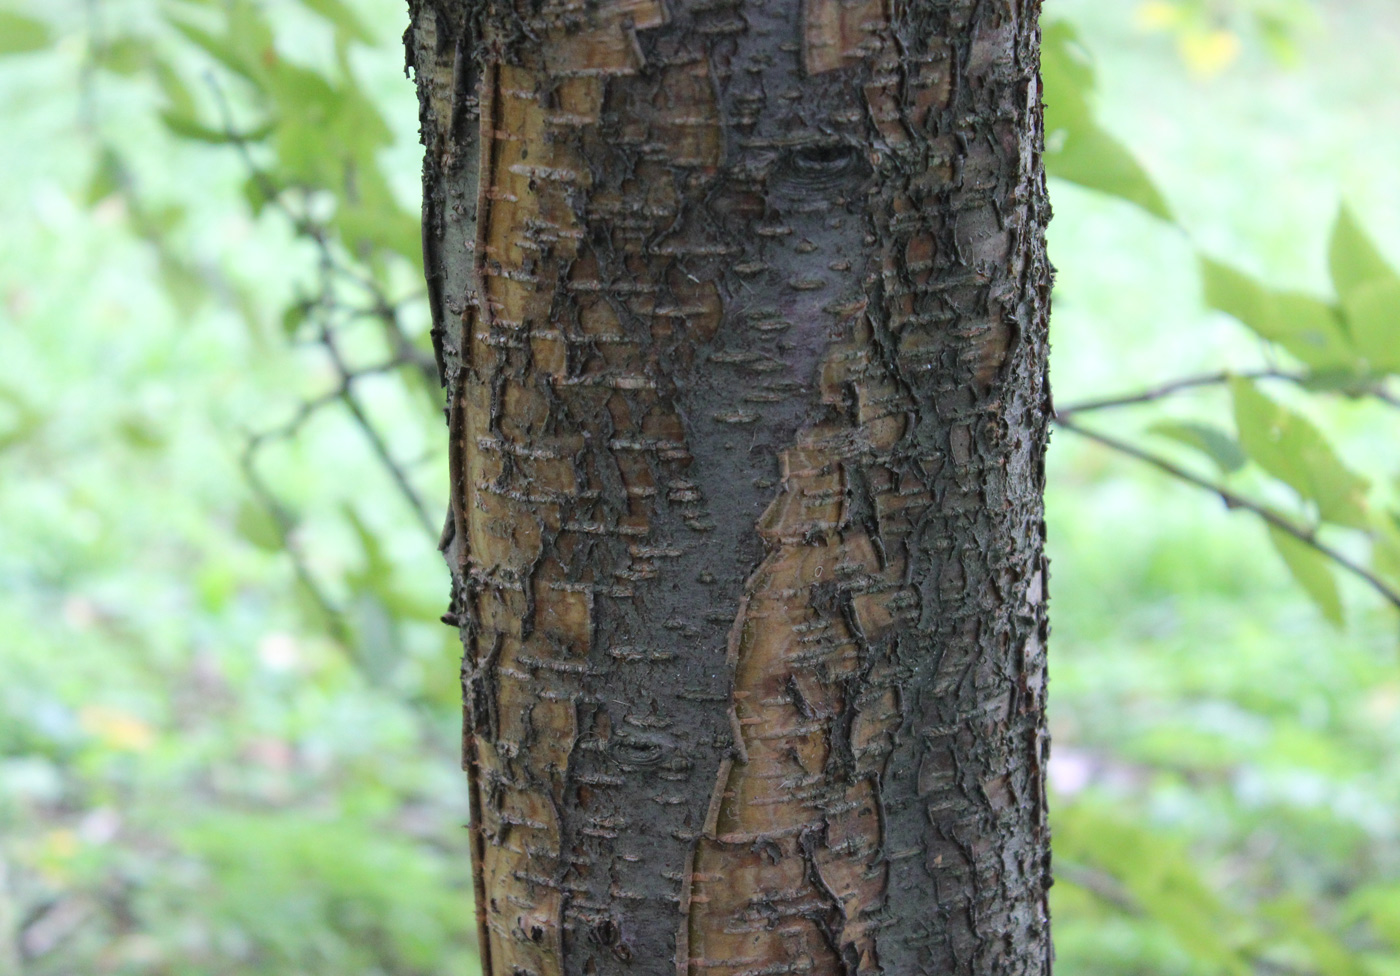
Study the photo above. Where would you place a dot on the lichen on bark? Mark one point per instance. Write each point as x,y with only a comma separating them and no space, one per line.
741,314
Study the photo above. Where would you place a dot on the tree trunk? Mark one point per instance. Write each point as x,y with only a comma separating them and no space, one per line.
741,309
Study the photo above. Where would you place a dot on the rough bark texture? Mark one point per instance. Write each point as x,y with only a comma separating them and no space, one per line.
741,311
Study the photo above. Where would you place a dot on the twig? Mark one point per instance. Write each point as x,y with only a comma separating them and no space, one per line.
381,309
1167,389
380,448
1234,500
285,526
310,408
1373,389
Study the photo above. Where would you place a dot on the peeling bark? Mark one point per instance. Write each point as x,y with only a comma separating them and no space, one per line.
741,307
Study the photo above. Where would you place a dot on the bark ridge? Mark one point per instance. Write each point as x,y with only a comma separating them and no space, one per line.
741,313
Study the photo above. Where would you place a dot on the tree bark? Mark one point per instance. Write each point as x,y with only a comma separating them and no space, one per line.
741,310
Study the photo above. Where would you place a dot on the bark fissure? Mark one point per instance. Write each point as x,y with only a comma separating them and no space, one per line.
741,312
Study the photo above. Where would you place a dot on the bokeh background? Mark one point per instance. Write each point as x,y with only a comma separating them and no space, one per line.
228,711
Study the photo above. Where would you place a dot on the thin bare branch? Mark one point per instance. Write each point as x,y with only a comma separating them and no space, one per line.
310,408
1232,499
285,525
1362,388
381,449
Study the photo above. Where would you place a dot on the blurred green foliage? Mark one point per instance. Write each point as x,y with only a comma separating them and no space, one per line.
233,712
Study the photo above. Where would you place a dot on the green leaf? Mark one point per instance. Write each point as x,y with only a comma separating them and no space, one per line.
141,433
376,578
1312,330
292,317
1159,877
1328,953
21,35
1289,447
1077,149
323,126
1373,313
377,573
125,56
1279,39
1311,570
1352,257
177,95
18,419
255,525
1379,904
106,177
215,584
219,48
257,193
251,32
1065,64
1217,445
338,14
329,888
1092,158
376,220
183,285
1385,550
1308,328
188,128
161,220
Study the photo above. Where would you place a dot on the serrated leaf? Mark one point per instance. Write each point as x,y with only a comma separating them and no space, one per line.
1311,570
21,35
1308,328
1289,447
1352,257
1373,314
1217,445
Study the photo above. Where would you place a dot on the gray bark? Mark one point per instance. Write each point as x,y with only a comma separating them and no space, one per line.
741,309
